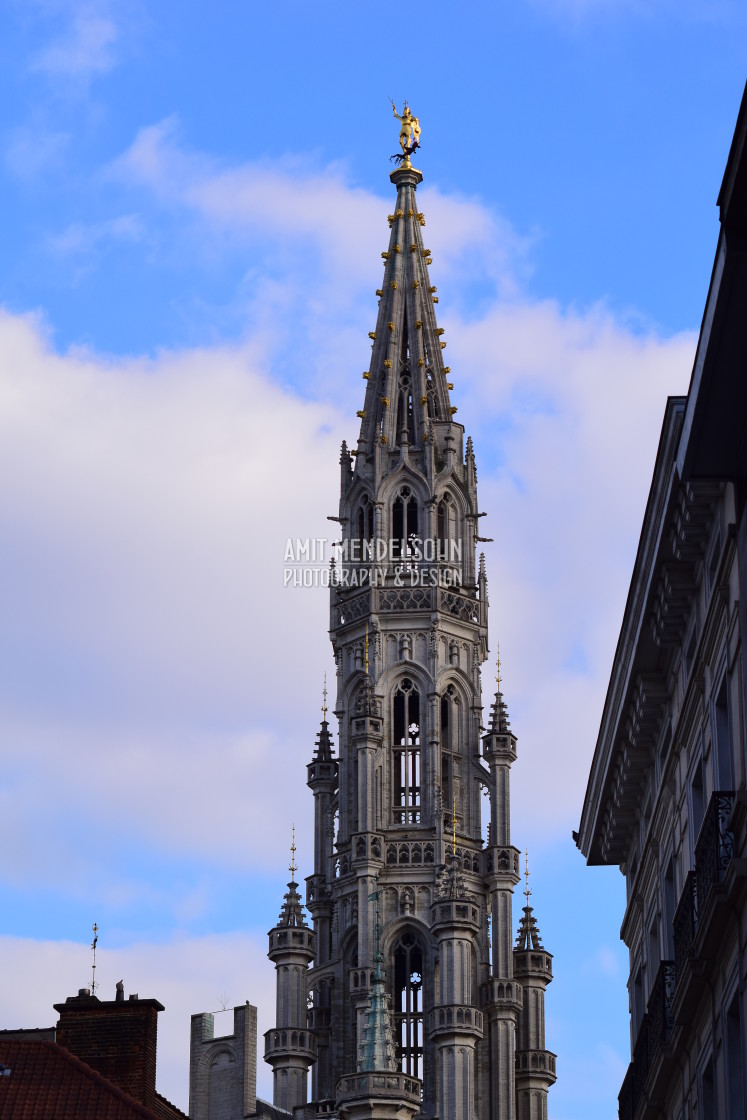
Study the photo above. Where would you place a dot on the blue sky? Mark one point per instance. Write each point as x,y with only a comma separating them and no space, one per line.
194,204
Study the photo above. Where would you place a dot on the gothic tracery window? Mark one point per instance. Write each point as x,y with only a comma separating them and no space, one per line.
406,753
408,1003
450,713
404,521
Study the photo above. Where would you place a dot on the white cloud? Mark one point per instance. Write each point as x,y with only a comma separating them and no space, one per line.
85,241
35,150
84,49
145,505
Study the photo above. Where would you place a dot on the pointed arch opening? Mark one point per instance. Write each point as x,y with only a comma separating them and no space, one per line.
404,523
405,410
451,745
408,1003
406,758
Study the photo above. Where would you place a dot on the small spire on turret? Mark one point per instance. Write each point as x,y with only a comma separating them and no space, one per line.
291,912
528,935
376,1050
499,712
292,866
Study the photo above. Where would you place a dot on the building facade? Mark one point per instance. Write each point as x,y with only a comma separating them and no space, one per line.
404,995
666,796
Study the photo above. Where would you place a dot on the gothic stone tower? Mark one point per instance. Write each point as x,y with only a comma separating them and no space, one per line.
408,894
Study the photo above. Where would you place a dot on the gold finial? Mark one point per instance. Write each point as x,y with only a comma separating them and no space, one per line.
526,891
293,866
366,649
324,698
94,943
409,133
498,667
453,825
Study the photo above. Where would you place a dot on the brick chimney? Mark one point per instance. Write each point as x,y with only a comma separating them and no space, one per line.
115,1037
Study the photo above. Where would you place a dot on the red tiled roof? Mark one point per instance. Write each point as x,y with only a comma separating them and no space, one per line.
47,1082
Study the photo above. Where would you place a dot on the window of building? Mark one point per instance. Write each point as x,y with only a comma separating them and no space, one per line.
668,898
404,521
408,1003
638,1000
405,414
697,801
450,745
406,751
365,522
688,656
707,1092
712,563
722,738
735,1062
653,951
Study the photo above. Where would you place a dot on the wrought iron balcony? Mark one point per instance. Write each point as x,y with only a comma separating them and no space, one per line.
640,1060
714,850
685,925
625,1098
660,1017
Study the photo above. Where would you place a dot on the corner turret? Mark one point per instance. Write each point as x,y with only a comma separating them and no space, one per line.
290,1047
535,1066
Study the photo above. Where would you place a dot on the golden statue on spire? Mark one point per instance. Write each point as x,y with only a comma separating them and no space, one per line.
409,133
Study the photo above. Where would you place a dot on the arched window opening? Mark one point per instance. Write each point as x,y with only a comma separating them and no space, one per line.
408,1003
450,745
430,392
404,522
406,750
405,411
446,784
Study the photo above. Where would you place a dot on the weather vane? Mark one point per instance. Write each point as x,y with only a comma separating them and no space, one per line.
292,866
94,943
409,134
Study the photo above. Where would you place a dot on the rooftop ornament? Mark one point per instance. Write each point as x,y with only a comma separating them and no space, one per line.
409,135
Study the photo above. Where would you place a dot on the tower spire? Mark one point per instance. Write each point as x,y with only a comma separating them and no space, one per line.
409,631
407,383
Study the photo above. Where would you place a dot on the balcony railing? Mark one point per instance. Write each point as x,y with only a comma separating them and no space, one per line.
685,925
640,1060
714,850
625,1098
660,1018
